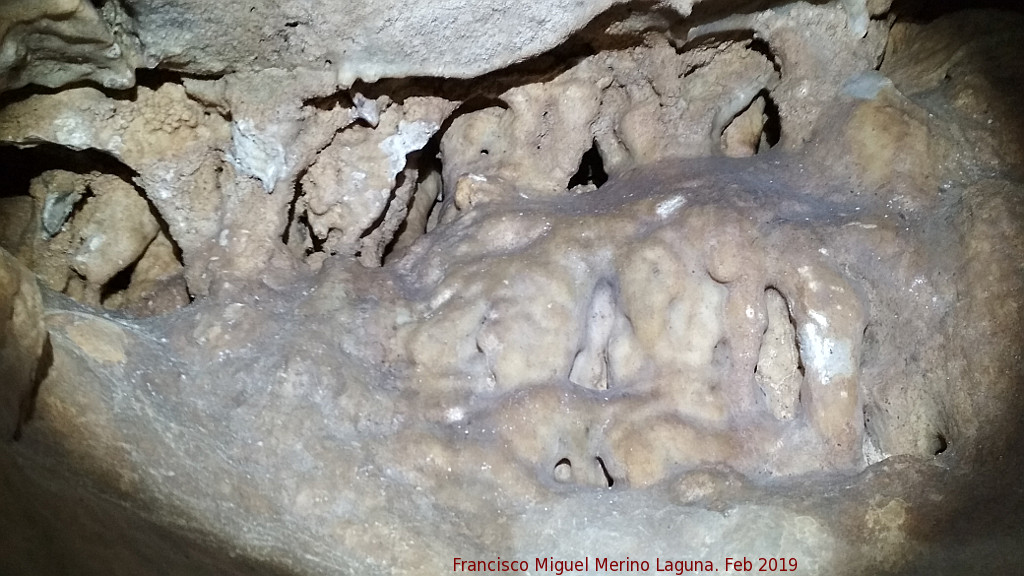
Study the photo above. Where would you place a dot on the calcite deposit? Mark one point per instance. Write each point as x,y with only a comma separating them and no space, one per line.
295,288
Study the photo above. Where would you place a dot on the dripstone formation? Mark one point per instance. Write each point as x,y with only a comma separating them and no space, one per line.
303,288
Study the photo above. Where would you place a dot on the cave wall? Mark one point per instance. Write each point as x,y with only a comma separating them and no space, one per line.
293,288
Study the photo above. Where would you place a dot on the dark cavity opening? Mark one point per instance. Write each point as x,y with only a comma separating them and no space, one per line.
770,129
428,164
330,102
20,165
928,10
761,46
119,283
772,123
290,220
591,170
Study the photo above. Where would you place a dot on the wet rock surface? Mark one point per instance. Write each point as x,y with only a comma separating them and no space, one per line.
698,283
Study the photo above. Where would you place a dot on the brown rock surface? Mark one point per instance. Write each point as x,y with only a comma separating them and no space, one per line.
23,343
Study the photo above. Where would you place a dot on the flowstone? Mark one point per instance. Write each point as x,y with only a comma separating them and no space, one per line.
706,283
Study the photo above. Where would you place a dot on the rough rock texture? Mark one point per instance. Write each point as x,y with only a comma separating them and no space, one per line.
704,281
659,305
58,42
23,342
365,40
95,238
358,190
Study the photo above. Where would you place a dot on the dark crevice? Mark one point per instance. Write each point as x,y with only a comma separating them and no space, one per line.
175,248
423,162
941,444
379,221
299,192
427,162
716,38
430,154
591,170
436,169
20,165
590,40
72,277
119,282
474,104
604,470
869,345
341,99
290,218
924,11
25,92
562,470
317,242
480,349
773,120
886,51
761,46
799,354
152,78
79,204
129,11
769,131
28,404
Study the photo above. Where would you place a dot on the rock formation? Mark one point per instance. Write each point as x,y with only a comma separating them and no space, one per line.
304,288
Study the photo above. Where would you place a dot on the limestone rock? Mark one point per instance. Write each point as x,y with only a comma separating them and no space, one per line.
58,42
706,279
